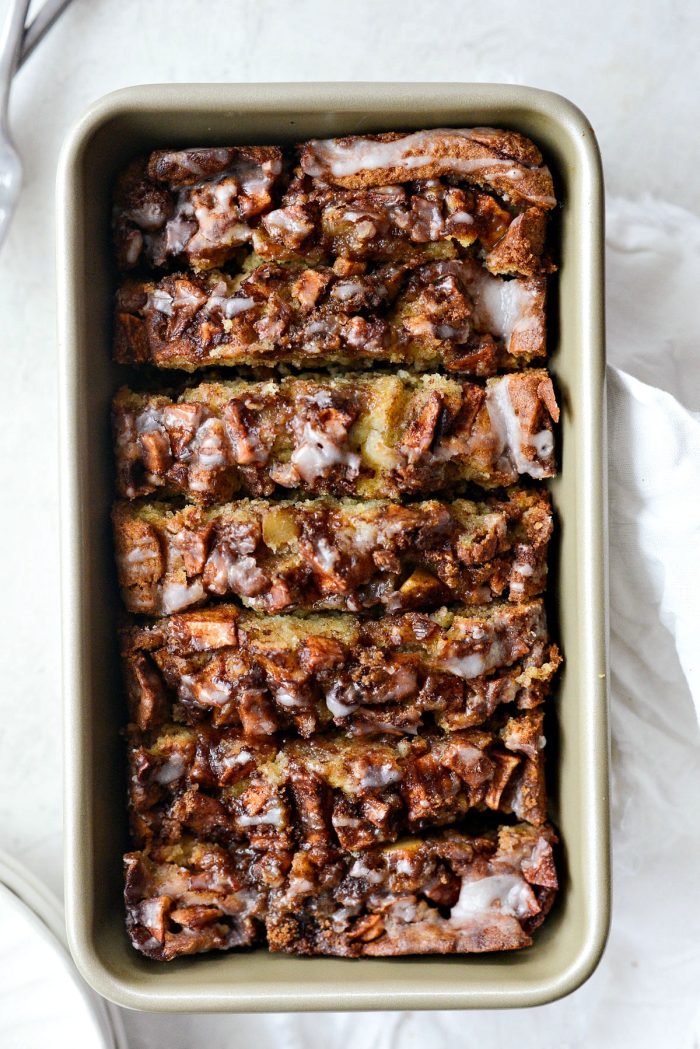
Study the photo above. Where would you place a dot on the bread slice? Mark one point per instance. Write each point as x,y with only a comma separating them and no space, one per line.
326,553
369,435
452,314
445,893
305,674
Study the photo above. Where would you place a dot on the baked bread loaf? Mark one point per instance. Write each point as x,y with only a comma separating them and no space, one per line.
349,759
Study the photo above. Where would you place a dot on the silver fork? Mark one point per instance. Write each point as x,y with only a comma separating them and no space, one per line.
16,44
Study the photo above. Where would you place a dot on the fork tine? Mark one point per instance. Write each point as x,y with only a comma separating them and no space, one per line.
39,27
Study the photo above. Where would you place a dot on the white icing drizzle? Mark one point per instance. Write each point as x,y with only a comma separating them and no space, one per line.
543,443
504,307
161,301
241,758
360,869
170,770
284,221
507,894
349,158
238,574
273,817
145,548
151,915
462,217
230,306
298,885
337,707
210,450
183,297
365,535
347,289
149,420
215,694
134,244
380,776
224,192
326,556
510,435
474,664
180,595
180,228
470,755
288,699
345,821
317,454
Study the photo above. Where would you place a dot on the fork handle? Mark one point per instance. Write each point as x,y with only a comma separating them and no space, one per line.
10,43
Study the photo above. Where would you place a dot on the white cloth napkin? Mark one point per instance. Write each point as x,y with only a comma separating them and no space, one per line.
43,1000
646,991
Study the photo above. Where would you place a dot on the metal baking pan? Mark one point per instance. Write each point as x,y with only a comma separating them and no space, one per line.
571,941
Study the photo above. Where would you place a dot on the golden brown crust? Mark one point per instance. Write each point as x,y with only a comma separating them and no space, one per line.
521,247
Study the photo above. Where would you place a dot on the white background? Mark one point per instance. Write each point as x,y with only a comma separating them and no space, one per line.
634,68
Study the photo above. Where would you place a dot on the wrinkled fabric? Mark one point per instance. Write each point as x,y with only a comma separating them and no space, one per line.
646,989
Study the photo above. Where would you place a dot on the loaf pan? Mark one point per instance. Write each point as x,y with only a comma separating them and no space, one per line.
571,941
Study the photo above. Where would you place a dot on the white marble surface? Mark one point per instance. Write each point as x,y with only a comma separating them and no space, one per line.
634,68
